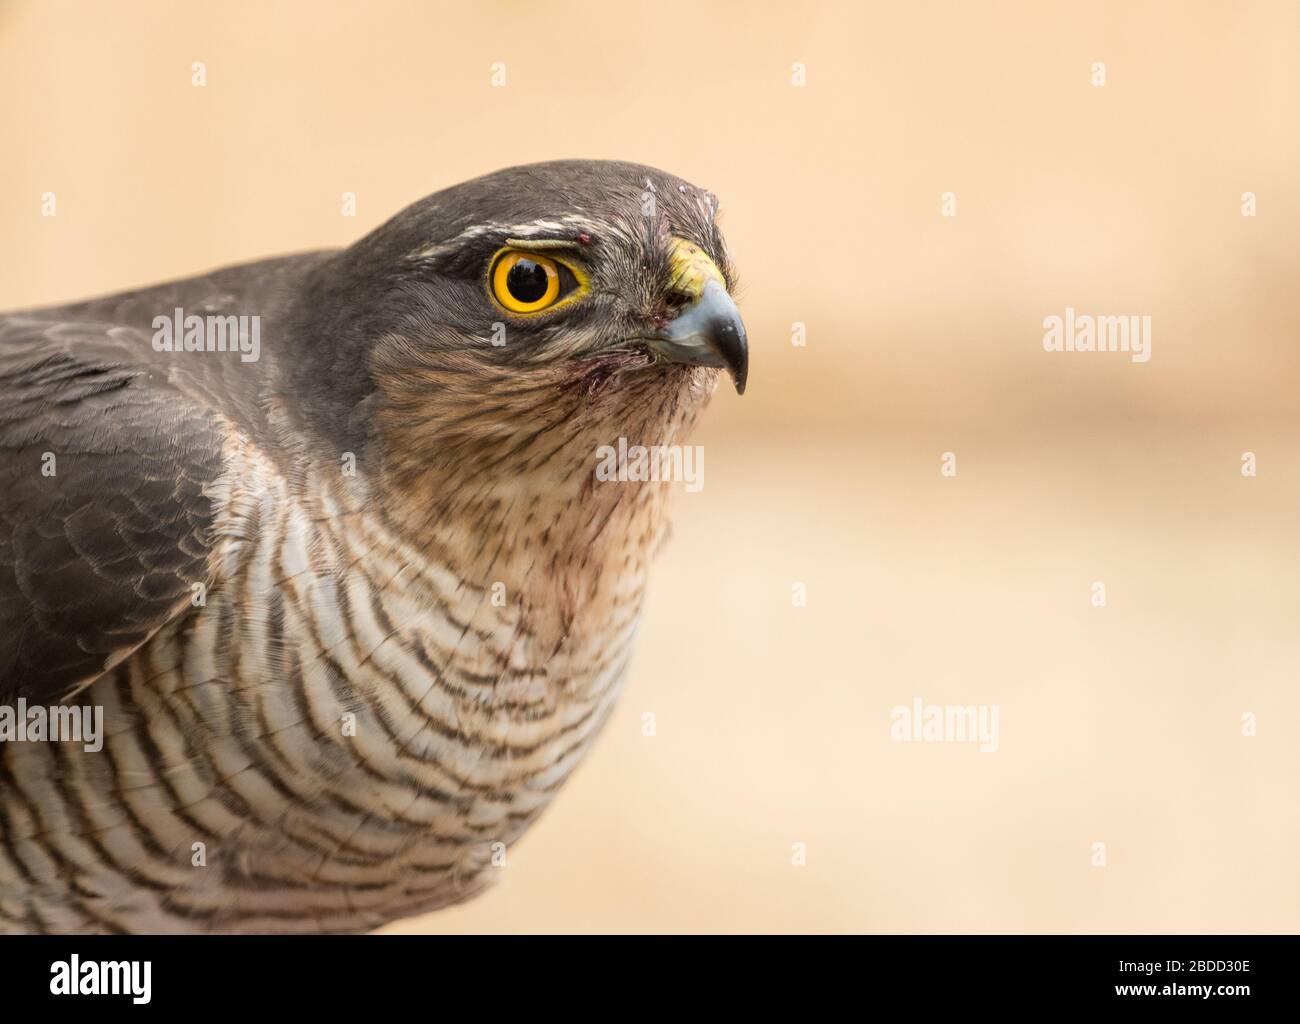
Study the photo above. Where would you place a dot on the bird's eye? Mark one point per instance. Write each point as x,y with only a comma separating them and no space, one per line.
527,282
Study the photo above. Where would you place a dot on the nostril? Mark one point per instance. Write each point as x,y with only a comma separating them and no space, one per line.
675,302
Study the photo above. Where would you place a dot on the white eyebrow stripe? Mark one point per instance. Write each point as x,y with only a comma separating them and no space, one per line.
543,244
567,224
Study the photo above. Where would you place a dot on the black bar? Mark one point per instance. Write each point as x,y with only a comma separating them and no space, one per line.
435,975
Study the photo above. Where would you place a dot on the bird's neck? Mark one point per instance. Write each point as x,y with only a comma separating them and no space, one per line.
523,507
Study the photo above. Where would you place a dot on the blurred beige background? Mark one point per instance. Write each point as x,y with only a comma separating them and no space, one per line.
1119,725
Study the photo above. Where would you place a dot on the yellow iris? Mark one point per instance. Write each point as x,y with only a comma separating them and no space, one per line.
525,282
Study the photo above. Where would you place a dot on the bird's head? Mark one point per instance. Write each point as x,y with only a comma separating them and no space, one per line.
516,320
478,349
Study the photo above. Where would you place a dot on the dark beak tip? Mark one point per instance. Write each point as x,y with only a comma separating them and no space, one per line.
732,345
738,362
740,372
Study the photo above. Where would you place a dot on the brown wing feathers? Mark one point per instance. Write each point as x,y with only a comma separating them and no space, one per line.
104,525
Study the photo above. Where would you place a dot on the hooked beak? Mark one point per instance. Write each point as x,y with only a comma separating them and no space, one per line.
709,332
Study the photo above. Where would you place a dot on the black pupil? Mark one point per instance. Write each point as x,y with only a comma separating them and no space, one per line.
526,281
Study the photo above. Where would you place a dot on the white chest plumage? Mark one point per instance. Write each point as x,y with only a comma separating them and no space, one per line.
342,731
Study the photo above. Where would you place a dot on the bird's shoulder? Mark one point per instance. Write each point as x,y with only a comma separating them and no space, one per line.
107,468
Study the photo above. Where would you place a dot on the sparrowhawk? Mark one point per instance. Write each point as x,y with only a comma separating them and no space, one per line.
321,537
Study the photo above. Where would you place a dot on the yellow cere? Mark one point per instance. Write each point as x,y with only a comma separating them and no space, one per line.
690,269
